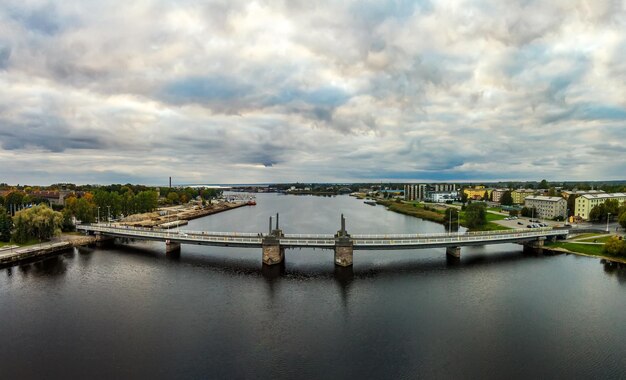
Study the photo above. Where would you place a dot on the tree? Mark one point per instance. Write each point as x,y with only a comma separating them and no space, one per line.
615,246
475,215
39,222
552,192
172,197
514,213
571,205
543,184
6,225
507,198
598,213
622,220
486,196
529,212
14,198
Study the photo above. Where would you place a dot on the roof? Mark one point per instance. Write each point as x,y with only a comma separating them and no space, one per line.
603,195
544,198
524,190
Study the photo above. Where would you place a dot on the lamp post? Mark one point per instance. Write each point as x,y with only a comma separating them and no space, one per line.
98,221
608,216
109,215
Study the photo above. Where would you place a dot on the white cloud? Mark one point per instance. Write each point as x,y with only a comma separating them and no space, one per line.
233,91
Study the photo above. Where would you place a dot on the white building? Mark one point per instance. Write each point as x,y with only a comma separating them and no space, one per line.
547,207
442,196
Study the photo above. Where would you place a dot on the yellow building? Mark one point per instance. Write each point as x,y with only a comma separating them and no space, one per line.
476,192
520,194
586,202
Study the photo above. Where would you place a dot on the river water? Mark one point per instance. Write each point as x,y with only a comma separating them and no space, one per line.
130,311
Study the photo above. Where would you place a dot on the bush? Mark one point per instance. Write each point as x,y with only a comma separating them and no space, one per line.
615,246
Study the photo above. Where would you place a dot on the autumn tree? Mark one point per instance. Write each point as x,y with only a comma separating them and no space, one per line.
6,225
38,222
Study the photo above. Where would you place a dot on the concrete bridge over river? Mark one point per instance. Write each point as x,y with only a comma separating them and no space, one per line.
274,242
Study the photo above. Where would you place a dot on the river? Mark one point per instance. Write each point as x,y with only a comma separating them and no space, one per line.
129,311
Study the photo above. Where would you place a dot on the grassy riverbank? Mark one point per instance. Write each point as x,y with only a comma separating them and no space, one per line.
437,214
590,250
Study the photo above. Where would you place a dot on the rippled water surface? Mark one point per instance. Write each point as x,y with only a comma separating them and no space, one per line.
130,311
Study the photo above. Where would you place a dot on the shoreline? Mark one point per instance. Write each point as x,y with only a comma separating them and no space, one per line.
10,257
602,257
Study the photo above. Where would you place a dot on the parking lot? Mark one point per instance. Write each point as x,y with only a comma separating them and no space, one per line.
522,222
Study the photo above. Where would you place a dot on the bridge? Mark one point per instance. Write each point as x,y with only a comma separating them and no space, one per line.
274,242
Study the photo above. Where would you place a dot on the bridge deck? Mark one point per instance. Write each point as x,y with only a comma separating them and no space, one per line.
372,242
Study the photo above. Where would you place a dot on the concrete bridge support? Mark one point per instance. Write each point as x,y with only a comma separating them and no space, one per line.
172,247
343,253
535,246
454,252
273,253
344,248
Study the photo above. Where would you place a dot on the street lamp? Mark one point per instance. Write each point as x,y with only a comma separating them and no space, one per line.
607,221
98,221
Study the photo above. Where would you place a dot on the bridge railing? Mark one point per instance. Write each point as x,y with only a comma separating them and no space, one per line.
474,233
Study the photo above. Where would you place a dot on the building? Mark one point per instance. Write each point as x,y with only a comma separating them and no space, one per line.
497,194
586,202
477,192
547,207
442,196
520,194
415,192
567,193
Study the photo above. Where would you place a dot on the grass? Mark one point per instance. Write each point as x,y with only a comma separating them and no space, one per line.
587,236
417,210
589,249
496,209
28,243
602,239
493,217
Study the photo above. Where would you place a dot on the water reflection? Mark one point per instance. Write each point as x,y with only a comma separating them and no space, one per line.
615,269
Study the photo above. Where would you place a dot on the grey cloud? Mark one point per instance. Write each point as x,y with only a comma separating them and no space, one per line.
5,54
277,90
47,132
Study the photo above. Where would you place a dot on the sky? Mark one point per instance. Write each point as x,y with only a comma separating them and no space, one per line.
311,91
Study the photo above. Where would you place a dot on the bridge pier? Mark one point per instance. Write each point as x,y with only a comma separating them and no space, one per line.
344,248
171,247
535,246
273,253
454,252
343,253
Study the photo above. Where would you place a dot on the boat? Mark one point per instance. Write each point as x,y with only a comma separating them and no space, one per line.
371,203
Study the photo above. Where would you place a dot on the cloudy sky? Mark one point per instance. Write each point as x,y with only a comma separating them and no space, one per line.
276,91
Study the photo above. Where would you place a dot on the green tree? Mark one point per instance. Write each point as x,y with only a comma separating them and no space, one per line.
571,205
552,192
543,184
486,196
598,213
39,222
615,246
475,215
622,220
14,198
172,197
6,225
507,198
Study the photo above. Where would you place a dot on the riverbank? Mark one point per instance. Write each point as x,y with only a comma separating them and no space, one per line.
560,247
172,216
13,254
437,213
